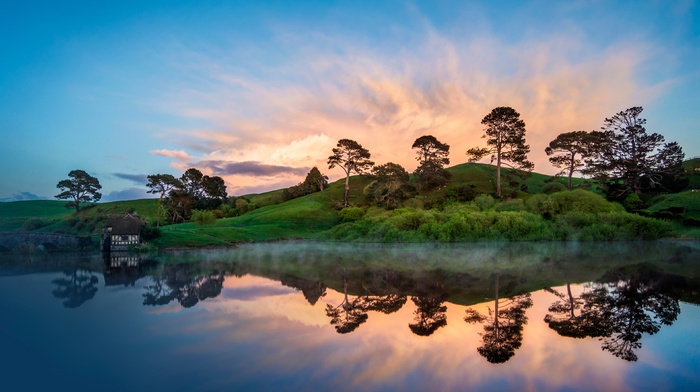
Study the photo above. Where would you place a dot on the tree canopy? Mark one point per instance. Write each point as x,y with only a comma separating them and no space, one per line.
505,137
81,187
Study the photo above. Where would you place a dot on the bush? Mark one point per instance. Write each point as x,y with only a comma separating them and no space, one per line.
463,193
484,202
150,233
32,224
511,205
553,187
351,214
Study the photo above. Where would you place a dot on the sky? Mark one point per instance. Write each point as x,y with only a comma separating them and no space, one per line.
259,92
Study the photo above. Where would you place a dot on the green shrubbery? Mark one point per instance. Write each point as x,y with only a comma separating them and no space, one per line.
574,215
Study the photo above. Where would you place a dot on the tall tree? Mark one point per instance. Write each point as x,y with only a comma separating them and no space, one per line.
432,156
81,187
505,136
162,184
350,156
635,160
390,185
570,150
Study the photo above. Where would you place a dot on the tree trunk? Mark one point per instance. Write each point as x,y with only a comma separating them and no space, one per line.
498,174
571,171
347,189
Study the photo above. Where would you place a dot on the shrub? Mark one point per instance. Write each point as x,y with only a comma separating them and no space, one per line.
351,214
511,205
463,193
32,224
553,187
484,202
150,233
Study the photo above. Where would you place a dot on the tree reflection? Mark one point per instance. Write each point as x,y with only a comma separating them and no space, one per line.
174,283
628,306
312,290
503,326
429,316
569,318
77,287
349,315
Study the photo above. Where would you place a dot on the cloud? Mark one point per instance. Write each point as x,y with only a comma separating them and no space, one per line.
127,194
22,196
251,168
177,154
139,179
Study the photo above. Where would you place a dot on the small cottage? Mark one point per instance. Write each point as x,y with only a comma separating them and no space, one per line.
122,232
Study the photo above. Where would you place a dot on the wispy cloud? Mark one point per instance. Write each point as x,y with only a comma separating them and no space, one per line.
127,194
138,179
177,154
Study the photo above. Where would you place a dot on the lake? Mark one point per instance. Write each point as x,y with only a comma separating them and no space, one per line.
309,316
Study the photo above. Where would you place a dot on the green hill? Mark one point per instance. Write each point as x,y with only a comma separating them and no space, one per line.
273,218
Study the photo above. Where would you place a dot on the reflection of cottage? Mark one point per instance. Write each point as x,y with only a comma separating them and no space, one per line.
122,232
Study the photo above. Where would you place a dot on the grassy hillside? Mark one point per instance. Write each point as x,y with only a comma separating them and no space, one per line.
273,219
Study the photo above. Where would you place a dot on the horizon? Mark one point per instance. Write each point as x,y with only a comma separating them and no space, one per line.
258,93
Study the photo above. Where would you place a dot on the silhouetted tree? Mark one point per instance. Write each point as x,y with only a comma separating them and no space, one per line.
81,187
214,189
570,150
503,328
350,156
175,282
77,287
432,156
505,136
315,181
633,160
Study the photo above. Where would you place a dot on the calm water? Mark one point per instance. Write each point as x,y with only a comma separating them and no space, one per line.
305,316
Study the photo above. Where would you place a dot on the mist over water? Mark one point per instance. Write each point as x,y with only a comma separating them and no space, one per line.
307,315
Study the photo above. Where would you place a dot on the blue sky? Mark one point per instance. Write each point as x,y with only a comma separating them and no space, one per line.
258,92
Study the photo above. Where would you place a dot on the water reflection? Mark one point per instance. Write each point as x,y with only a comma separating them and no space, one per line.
622,306
503,325
76,287
182,283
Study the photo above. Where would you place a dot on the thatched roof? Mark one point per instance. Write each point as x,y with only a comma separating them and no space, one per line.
125,224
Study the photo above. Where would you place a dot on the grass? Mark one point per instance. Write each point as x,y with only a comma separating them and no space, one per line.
16,214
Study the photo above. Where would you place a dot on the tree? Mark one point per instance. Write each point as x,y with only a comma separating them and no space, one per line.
202,217
390,185
81,187
505,136
162,184
570,150
214,189
315,181
350,156
432,157
634,161
192,182
352,315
